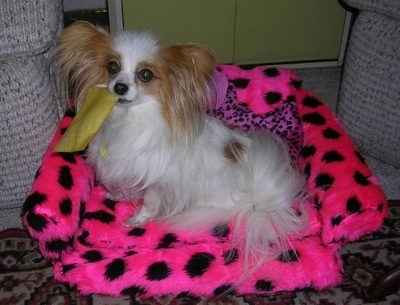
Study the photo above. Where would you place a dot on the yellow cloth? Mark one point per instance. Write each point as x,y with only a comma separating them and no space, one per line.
87,122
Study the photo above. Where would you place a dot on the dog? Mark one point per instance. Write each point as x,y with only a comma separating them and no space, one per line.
159,146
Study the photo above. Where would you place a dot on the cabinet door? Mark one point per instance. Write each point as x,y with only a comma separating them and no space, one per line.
275,31
208,22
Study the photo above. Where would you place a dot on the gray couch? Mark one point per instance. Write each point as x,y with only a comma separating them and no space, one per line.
368,104
30,107
369,100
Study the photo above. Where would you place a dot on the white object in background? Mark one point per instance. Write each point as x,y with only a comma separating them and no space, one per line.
116,22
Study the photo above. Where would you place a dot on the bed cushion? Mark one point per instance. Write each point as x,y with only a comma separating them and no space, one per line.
82,231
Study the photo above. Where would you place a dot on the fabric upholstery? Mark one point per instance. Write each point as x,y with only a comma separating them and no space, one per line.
28,27
369,102
30,105
371,112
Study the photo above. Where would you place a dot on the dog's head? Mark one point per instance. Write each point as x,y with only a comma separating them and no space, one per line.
137,68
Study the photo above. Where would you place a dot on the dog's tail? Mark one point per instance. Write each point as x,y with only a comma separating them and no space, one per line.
265,227
265,235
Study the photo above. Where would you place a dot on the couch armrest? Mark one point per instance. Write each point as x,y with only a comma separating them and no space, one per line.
28,27
369,97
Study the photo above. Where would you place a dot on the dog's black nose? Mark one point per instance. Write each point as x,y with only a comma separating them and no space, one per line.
121,88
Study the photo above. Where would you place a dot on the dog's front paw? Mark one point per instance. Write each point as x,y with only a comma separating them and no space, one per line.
135,221
138,219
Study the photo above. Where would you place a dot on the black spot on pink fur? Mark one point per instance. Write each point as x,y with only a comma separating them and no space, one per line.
68,157
264,286
65,177
66,206
331,134
221,230
361,179
36,222
167,241
317,203
133,290
241,83
332,156
101,215
307,170
289,256
92,256
158,271
324,181
271,72
115,269
33,200
67,267
308,151
82,238
290,99
311,102
353,205
230,256
58,245
272,97
82,207
313,118
337,220
130,253
137,232
296,83
109,203
198,264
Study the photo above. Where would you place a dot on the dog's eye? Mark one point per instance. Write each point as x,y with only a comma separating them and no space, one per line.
113,67
145,75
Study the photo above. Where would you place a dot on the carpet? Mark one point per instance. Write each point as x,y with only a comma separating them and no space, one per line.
27,278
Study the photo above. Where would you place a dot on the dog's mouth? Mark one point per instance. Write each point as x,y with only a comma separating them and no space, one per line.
123,101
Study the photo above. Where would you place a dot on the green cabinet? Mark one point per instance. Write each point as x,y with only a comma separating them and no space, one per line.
288,30
245,31
210,22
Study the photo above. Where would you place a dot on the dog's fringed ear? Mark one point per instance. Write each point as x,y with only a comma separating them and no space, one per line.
81,58
189,64
202,59
188,69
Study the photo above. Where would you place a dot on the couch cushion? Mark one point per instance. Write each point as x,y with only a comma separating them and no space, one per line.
369,103
28,27
28,120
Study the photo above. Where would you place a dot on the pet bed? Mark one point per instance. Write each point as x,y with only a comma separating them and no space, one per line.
82,231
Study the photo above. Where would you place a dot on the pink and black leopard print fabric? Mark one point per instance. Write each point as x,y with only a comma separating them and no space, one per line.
82,231
279,116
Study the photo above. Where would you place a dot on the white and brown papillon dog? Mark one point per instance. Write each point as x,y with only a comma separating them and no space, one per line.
158,145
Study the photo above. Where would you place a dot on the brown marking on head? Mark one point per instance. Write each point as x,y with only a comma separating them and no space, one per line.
233,151
82,55
182,84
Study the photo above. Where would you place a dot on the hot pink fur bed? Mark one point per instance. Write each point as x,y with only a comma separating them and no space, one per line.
82,232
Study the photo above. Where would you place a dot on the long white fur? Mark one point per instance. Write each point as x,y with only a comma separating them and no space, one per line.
195,188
